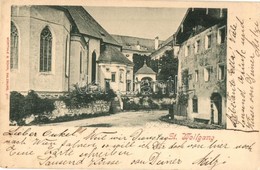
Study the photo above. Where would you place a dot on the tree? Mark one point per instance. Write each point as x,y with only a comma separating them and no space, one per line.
168,66
138,61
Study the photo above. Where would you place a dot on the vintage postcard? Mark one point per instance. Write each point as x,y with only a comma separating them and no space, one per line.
130,85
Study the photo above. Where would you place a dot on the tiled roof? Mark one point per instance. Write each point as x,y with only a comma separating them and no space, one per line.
129,43
145,70
113,55
87,25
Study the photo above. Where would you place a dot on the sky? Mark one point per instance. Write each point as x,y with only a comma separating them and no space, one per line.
141,22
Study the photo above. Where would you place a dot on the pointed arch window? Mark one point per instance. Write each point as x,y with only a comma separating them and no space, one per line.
14,47
46,50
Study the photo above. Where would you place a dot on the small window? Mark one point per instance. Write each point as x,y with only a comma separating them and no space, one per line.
208,41
221,35
113,77
187,50
196,75
206,74
221,72
128,85
195,104
197,46
102,33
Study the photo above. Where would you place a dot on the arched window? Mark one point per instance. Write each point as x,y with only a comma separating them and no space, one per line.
94,67
67,53
46,50
80,64
14,46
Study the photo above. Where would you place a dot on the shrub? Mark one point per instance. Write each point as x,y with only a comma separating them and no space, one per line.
35,105
16,106
22,107
144,103
77,99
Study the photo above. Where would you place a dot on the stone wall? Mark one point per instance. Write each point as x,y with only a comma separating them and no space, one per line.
93,108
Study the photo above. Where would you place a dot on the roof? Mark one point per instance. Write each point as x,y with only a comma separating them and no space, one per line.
166,45
145,70
113,55
130,43
197,20
86,24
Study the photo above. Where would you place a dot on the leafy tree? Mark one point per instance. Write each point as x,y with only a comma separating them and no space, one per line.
138,61
168,66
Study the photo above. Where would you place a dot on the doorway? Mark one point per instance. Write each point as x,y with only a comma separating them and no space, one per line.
216,108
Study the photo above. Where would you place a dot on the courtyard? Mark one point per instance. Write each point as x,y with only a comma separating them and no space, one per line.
124,119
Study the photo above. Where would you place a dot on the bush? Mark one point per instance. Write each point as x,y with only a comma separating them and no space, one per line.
24,106
77,99
16,106
144,104
35,105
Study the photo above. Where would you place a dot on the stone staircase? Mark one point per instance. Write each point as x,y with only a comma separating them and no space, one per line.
116,105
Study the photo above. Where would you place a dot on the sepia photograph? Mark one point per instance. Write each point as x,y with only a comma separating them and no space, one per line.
140,84
118,66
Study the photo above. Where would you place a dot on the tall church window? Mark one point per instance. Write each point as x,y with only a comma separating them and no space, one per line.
67,53
94,63
46,50
80,63
14,47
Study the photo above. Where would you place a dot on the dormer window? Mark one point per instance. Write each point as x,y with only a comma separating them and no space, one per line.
102,33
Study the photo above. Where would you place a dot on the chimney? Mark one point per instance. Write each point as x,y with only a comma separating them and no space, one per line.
138,45
156,43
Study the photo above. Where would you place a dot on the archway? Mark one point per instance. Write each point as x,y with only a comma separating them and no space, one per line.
216,108
94,65
146,85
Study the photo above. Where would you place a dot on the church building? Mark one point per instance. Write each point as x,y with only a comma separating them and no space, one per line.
56,47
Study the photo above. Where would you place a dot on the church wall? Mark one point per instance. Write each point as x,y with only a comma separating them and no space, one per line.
93,46
77,66
31,21
19,78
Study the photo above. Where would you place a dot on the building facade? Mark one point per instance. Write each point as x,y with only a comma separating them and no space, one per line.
136,45
51,54
202,64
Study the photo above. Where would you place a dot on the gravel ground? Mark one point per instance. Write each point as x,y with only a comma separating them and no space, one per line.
124,119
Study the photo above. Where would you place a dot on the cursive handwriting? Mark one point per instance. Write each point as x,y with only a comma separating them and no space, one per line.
210,160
